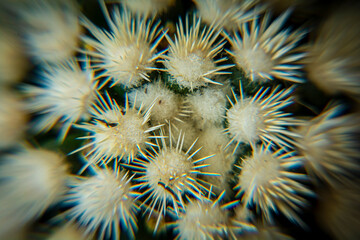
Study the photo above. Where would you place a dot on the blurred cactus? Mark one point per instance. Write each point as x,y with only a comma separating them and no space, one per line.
200,119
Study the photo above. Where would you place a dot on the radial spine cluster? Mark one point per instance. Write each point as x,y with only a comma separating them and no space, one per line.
267,180
202,219
264,51
190,60
169,173
126,53
65,95
261,117
117,132
104,200
168,106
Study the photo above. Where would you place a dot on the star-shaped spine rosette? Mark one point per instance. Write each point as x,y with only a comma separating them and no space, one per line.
64,94
329,144
116,132
268,181
168,173
265,51
260,118
169,107
190,59
104,201
127,52
203,219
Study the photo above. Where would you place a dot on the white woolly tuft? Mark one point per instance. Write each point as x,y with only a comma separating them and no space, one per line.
168,106
245,121
261,118
127,52
267,181
170,173
266,51
190,60
104,201
116,132
208,107
202,219
65,95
